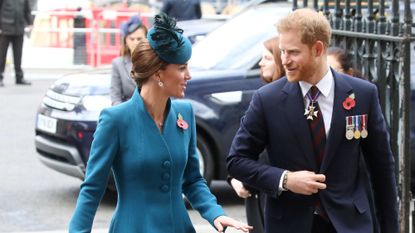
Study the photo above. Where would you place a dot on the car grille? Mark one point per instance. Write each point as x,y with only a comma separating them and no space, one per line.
59,101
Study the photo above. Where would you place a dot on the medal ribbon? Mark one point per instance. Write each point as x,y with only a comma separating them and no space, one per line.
357,123
364,119
313,99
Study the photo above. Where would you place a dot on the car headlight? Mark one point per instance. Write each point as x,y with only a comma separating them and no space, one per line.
96,102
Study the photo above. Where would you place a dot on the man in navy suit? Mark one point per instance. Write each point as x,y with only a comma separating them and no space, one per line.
316,124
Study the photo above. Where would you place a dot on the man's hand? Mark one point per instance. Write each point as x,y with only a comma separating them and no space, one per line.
305,182
28,28
239,188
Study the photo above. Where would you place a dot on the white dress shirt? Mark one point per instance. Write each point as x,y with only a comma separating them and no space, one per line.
325,102
325,99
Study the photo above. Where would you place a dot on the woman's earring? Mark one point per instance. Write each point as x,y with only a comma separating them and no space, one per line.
160,83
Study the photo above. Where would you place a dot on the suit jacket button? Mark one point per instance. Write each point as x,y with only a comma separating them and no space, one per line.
166,164
164,188
166,176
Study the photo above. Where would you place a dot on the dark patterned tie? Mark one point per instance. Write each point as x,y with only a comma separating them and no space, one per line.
318,135
318,132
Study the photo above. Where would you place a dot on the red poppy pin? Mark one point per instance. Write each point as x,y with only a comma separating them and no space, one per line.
349,102
181,123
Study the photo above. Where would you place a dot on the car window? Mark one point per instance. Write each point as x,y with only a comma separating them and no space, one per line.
237,44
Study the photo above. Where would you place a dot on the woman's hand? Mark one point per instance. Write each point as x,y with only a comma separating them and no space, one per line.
222,222
239,188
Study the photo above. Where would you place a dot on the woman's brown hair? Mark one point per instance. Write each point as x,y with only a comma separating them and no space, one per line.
124,50
345,61
145,63
272,45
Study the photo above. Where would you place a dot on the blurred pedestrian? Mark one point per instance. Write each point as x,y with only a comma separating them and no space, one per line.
340,61
149,142
270,64
316,125
79,38
15,16
182,9
271,70
122,85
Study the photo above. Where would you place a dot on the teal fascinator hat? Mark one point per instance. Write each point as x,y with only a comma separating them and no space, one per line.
168,41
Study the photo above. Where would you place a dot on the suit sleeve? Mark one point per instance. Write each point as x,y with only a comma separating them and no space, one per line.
194,185
116,86
249,141
28,13
376,148
103,150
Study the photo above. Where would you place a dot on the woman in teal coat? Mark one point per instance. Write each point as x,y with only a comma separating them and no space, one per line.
150,144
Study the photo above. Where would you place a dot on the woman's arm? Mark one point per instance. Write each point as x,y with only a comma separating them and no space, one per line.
103,150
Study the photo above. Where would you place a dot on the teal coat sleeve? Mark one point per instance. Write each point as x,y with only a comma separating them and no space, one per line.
194,185
103,150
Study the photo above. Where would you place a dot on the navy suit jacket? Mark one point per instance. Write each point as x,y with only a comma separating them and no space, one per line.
275,121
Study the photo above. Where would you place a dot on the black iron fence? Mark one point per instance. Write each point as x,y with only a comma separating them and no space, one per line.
378,36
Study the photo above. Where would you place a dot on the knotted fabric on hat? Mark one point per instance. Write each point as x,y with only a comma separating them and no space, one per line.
133,23
168,41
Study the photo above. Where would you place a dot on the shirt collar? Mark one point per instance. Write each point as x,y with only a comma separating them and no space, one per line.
324,85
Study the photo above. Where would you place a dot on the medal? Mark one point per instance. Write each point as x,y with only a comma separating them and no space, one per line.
356,134
349,128
311,111
364,132
356,120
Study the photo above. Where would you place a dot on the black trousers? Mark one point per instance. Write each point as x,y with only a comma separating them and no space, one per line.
321,225
254,207
17,45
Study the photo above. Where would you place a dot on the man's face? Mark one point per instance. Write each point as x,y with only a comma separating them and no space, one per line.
297,58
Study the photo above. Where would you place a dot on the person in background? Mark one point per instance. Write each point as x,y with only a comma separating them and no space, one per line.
316,125
122,85
15,16
149,142
340,61
271,70
182,9
270,64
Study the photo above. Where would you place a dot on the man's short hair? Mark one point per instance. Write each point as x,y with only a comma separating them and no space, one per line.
313,26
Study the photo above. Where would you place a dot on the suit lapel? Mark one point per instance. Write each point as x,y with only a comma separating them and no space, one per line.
342,89
294,110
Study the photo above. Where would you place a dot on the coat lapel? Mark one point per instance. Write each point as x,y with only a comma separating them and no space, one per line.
294,110
342,89
128,66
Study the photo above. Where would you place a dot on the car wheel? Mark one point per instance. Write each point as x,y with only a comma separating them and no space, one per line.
205,159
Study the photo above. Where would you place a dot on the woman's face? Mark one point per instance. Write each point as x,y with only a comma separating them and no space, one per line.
134,38
334,63
267,65
175,78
